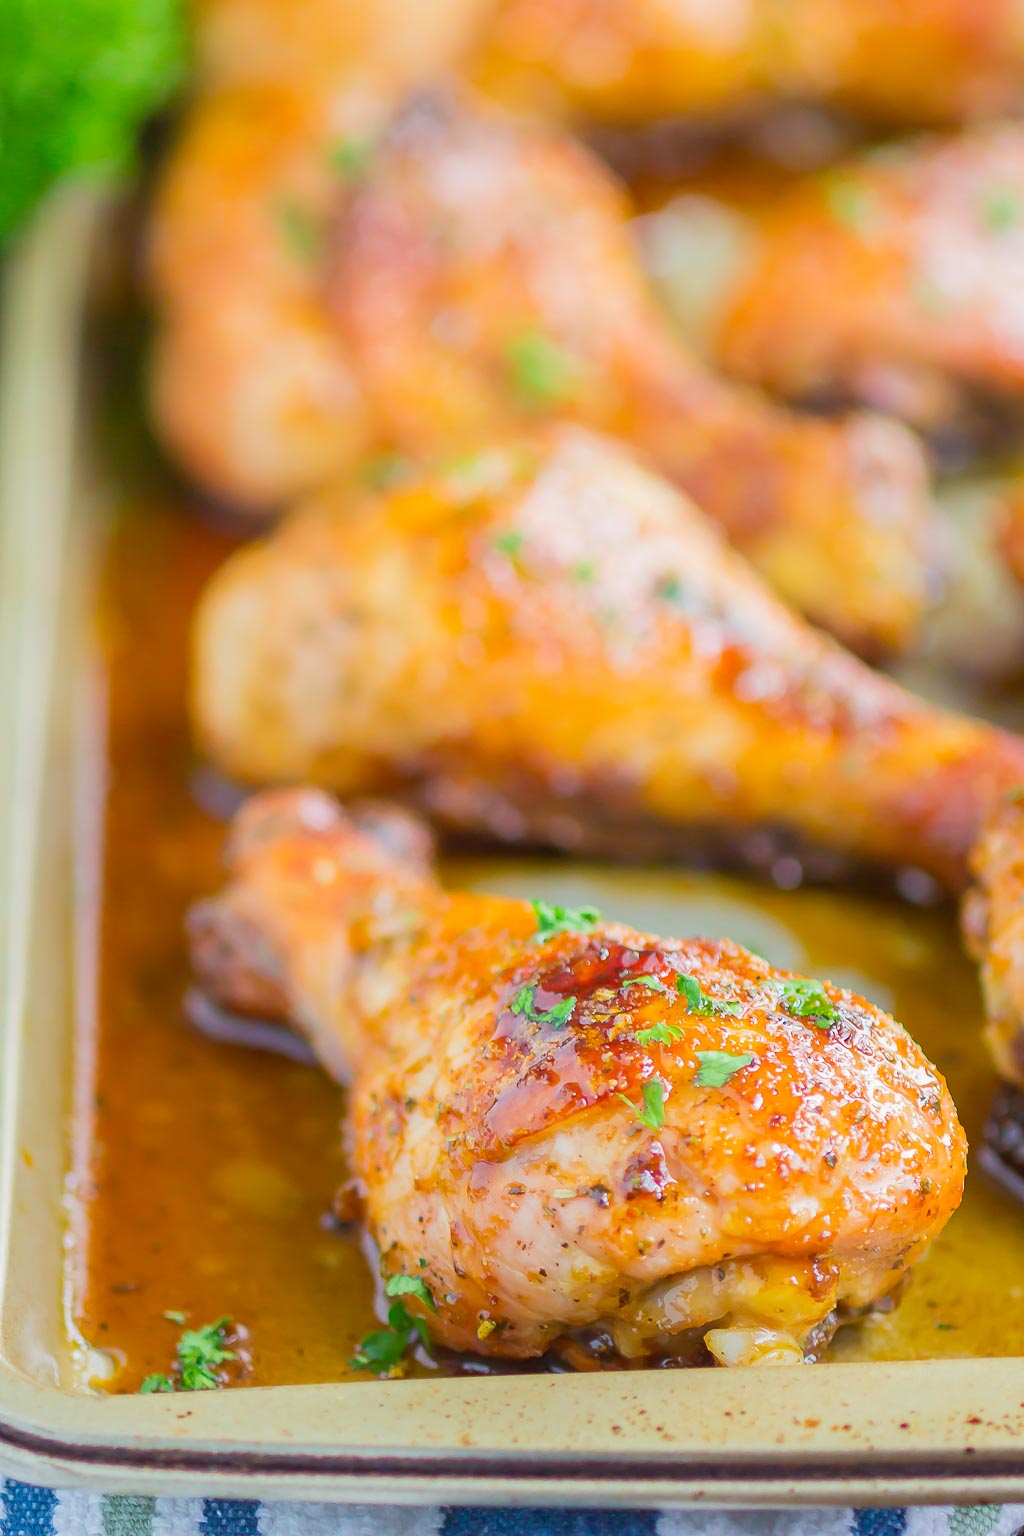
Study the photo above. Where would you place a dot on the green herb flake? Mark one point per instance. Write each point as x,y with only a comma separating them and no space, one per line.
385,470
654,983
174,1317
699,1001
652,1112
302,236
851,204
541,372
584,572
661,1033
384,1350
718,1068
352,157
523,1004
411,1285
199,1353
1002,209
509,543
157,1383
806,999
554,919
670,589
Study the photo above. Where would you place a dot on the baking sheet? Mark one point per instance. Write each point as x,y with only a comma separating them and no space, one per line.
916,1431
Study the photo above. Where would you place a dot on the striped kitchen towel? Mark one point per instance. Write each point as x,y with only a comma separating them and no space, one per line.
28,1511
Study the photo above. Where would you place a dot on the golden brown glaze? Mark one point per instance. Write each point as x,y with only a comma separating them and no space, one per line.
377,48
895,281
993,926
250,385
628,61
496,1076
470,278
554,645
484,278
1010,533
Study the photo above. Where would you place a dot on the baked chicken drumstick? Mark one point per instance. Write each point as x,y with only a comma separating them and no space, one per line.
474,278
552,644
894,281
993,925
566,1131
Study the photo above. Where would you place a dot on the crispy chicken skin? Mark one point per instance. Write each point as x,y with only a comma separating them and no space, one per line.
896,281
471,277
484,277
553,644
497,1077
993,925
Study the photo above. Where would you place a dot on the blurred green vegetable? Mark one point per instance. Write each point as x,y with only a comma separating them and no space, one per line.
76,80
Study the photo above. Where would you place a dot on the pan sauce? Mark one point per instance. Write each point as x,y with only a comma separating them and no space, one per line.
203,1173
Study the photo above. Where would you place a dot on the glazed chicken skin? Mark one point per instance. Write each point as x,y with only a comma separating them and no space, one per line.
484,278
551,644
251,388
466,278
993,925
895,281
569,1131
379,48
631,61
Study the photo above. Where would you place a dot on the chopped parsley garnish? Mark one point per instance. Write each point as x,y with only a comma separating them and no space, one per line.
670,588
659,1034
352,157
851,203
699,1001
542,373
157,1383
806,999
553,919
585,571
652,1112
717,1068
509,543
174,1317
300,232
655,983
523,1003
385,1349
1002,208
200,1351
411,1285
384,470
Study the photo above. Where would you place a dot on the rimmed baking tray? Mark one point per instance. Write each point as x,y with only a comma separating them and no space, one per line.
863,1433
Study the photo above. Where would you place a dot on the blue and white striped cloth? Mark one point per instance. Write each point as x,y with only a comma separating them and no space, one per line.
28,1511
